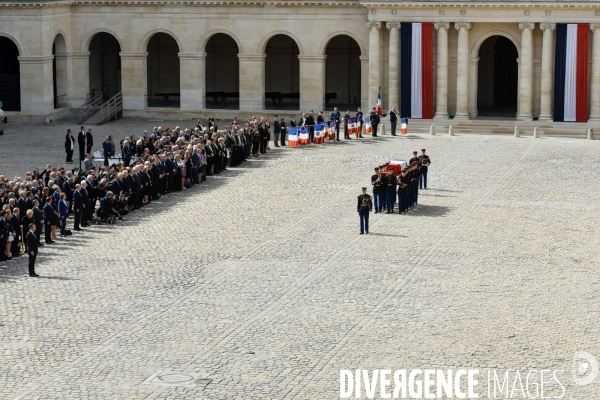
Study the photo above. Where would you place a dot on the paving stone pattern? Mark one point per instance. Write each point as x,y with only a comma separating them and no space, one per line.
259,280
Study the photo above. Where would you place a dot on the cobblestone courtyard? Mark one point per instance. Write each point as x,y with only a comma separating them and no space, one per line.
258,279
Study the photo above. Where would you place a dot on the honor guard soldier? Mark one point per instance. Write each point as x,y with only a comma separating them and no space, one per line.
414,159
403,191
390,192
425,162
364,207
378,190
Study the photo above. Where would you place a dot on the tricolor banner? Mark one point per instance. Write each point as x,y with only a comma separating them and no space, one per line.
331,130
378,109
571,73
416,70
304,136
293,137
353,126
368,127
320,133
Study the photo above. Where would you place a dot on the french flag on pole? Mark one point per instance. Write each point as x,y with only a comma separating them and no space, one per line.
571,73
379,110
416,70
293,137
368,126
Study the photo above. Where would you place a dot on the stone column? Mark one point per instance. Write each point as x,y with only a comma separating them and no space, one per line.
312,82
394,64
473,70
462,70
37,93
78,77
364,83
252,81
547,76
133,80
192,81
374,60
526,71
441,104
595,84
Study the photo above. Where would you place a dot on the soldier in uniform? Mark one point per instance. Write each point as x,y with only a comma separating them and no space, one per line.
359,121
378,190
403,190
335,116
425,162
390,192
414,159
364,207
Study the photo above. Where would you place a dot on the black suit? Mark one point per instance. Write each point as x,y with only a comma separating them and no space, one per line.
78,208
393,121
81,143
48,217
90,141
38,216
310,122
86,203
374,122
32,250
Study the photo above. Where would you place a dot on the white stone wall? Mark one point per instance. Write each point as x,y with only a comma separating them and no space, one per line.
34,27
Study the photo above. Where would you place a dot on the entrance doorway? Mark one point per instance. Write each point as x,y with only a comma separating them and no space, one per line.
497,78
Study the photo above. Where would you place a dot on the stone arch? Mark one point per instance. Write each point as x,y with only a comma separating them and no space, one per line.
222,72
15,41
64,39
342,72
144,43
325,43
85,43
10,72
263,44
163,70
204,42
477,44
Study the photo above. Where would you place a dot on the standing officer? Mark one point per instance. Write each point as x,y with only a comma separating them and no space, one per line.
378,190
346,135
393,120
81,143
364,207
335,116
374,121
32,249
425,162
359,122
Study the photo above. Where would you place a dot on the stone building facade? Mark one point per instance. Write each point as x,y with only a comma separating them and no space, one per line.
490,58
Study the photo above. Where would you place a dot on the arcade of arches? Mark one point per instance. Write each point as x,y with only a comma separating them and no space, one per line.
244,58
